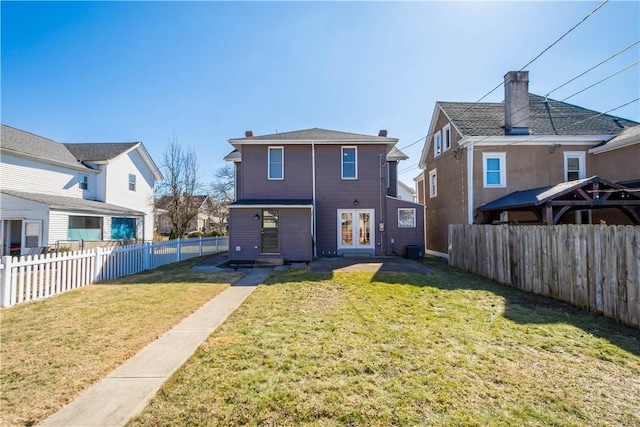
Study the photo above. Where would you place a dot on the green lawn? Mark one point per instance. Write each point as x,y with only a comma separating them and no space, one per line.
447,348
51,350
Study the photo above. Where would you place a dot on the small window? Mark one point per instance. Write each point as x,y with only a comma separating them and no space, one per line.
433,183
349,163
123,228
446,136
406,218
132,182
32,234
437,143
494,169
83,182
574,167
276,163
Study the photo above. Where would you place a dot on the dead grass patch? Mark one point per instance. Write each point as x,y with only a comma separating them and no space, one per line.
55,348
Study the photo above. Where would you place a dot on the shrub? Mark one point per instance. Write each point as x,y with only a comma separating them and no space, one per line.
195,234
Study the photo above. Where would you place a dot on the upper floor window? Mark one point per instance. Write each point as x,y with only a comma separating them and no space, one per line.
276,163
574,167
349,163
494,169
437,143
83,182
132,182
433,183
446,136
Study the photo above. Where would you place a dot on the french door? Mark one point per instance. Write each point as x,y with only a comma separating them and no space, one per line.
355,229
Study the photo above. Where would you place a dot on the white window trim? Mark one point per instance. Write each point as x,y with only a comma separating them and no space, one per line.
433,179
413,216
25,226
502,157
581,155
342,162
83,178
269,163
132,181
437,135
446,144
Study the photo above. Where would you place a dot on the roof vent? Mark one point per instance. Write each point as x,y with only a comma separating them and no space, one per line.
383,132
248,134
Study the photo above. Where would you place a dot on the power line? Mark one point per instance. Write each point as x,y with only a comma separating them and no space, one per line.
603,80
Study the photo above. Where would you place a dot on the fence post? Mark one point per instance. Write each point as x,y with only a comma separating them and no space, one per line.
5,283
98,263
200,247
179,249
146,263
217,242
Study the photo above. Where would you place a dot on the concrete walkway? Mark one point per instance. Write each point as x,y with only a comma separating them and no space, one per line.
126,391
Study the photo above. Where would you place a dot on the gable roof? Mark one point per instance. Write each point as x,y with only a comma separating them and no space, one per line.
316,135
73,203
487,118
26,143
87,152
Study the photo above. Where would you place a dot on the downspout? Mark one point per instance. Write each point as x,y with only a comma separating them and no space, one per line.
470,183
380,166
313,196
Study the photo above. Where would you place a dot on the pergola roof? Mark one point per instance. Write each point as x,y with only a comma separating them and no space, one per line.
549,204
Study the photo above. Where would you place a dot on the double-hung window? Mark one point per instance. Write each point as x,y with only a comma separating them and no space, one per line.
433,183
83,182
437,143
132,182
446,136
494,169
574,167
276,163
349,163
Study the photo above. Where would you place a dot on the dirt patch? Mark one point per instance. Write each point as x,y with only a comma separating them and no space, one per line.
391,264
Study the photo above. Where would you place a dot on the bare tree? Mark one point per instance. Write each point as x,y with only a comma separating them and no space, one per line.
222,193
180,186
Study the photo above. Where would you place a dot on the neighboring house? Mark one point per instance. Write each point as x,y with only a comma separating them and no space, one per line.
405,192
61,194
477,153
318,192
211,215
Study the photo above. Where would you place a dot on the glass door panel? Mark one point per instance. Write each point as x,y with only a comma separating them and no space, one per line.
346,229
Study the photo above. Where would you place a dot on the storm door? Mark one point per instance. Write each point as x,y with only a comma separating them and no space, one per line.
270,231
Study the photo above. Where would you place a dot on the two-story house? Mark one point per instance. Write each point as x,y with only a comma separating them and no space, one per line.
477,153
54,194
318,192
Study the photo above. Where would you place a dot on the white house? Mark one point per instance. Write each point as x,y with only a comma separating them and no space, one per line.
61,194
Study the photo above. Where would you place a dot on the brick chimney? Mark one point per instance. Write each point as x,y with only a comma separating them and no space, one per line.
248,134
383,132
516,103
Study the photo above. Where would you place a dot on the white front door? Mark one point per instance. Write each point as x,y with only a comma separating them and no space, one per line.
355,229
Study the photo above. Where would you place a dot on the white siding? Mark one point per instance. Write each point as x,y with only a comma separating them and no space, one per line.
17,208
34,177
59,225
117,187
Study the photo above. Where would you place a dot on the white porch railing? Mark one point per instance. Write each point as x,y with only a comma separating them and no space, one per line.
28,278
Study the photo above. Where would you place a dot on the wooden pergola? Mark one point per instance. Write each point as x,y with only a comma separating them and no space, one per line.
549,204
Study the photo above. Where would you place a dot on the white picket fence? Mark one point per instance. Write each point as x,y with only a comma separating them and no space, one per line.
28,278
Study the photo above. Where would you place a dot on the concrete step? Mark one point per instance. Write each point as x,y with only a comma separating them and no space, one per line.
267,262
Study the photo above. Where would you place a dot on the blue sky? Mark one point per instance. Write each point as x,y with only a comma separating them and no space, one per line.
208,71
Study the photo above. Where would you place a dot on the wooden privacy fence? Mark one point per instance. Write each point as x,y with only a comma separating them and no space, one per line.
596,267
34,277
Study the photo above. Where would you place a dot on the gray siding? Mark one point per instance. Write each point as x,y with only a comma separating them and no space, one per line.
297,182
403,236
295,234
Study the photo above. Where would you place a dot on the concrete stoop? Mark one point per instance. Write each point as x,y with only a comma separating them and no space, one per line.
267,262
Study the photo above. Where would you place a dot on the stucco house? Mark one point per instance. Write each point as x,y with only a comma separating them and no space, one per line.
479,152
318,192
62,194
